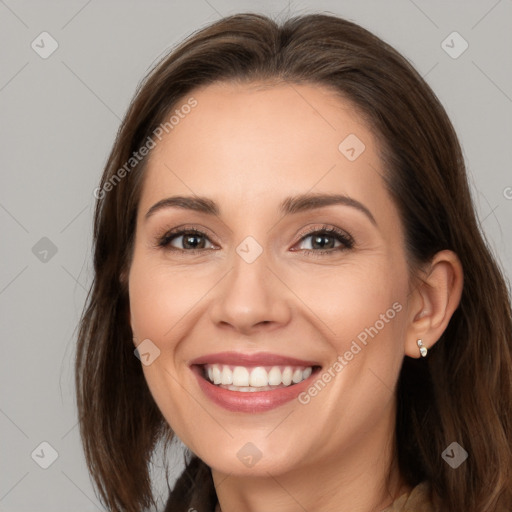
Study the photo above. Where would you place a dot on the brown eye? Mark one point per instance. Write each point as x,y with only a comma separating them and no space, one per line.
326,240
189,240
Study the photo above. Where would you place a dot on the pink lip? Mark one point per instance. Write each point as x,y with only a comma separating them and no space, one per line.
252,401
257,359
257,401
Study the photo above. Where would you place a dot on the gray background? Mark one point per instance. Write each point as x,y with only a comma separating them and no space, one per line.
59,117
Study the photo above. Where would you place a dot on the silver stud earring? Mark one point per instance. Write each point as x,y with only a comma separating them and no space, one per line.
423,349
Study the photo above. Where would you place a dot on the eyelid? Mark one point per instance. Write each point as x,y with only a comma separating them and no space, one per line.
163,238
167,233
325,228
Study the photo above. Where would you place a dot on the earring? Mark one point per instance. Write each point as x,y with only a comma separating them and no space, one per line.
423,349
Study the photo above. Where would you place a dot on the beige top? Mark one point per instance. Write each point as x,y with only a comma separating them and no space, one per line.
418,500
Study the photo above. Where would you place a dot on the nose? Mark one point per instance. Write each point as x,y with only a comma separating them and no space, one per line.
251,298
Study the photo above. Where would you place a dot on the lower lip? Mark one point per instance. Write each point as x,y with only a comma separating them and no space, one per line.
250,401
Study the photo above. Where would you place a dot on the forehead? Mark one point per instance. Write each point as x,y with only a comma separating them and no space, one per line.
257,141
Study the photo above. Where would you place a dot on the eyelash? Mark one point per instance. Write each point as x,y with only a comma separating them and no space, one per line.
346,240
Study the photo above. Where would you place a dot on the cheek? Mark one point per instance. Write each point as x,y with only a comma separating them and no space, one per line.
151,312
159,298
157,312
352,298
361,310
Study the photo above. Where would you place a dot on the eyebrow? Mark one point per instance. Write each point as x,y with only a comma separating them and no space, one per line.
289,206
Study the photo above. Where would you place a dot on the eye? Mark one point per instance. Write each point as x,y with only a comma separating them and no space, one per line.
323,240
326,240
189,240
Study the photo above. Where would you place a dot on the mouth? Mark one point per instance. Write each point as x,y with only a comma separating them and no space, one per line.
252,382
247,379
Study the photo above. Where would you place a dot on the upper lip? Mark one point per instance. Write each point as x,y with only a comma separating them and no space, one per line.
256,359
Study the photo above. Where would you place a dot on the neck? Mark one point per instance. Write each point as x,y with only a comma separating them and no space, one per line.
364,478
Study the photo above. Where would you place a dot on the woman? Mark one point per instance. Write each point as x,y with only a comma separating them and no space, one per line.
284,233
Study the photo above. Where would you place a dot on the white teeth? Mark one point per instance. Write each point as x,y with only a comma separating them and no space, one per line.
240,376
274,376
227,375
297,376
245,389
259,378
216,375
287,376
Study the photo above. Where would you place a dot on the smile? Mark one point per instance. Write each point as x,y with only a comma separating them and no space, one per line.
259,378
252,382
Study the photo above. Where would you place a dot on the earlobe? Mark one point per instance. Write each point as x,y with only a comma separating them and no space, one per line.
433,303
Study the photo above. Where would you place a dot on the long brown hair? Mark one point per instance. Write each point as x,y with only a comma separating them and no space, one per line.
461,392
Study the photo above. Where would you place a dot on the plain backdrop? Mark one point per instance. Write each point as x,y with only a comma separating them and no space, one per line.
59,116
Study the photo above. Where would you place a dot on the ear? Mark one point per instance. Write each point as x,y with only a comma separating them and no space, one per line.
433,301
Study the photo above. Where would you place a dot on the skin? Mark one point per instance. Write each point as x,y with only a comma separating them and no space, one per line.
247,148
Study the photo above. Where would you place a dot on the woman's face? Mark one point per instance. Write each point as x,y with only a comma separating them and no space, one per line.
262,277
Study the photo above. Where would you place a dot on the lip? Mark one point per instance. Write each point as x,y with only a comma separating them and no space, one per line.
256,359
254,401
